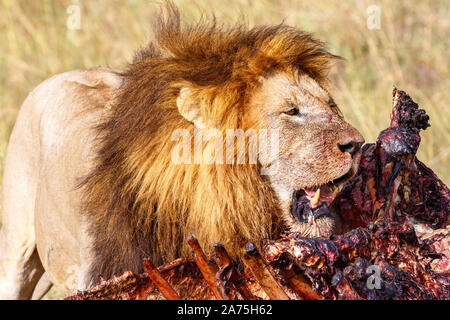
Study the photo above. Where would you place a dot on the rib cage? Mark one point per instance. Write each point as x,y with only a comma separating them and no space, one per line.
396,214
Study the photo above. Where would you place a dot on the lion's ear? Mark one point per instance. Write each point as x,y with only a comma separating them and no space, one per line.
189,107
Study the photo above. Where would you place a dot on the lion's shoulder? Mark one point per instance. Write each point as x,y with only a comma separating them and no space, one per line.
69,103
97,77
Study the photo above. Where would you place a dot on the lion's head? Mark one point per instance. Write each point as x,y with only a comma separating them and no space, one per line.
198,78
318,149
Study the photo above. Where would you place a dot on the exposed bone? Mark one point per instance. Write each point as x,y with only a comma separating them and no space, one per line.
226,264
300,284
205,267
158,280
254,261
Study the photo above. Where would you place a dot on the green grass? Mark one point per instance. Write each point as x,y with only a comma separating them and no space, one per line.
410,51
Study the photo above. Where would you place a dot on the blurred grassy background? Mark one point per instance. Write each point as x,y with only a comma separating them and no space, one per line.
410,51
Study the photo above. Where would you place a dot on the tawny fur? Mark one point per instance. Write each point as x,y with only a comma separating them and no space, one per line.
142,204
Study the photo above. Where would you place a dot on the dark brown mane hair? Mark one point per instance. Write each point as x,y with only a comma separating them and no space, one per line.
138,202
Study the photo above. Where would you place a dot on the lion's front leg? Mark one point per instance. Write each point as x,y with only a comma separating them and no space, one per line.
19,273
20,266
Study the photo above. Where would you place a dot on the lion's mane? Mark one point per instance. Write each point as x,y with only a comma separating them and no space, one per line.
138,202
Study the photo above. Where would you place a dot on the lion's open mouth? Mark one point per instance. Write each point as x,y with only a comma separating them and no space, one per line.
309,204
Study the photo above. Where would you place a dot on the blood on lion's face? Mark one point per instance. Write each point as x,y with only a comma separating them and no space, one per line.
318,150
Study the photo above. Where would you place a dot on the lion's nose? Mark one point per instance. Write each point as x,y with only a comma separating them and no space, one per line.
352,146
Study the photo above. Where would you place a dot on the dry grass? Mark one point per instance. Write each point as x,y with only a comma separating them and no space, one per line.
410,51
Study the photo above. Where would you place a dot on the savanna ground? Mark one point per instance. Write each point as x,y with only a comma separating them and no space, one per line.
409,50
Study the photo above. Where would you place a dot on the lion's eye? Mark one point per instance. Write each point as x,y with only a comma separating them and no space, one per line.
335,108
293,112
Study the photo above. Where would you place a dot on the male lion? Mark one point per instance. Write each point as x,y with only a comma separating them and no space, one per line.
90,185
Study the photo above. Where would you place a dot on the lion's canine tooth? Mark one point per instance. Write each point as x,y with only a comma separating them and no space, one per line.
315,200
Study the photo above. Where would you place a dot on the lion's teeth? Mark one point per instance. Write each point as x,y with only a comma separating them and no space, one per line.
315,200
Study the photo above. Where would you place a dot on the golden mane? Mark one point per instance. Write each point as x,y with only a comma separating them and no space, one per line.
138,202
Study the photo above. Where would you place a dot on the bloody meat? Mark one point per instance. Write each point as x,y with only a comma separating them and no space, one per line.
395,243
